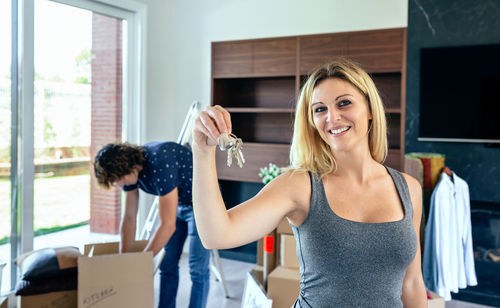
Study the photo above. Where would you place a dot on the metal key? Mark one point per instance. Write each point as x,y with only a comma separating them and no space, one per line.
229,157
238,153
232,145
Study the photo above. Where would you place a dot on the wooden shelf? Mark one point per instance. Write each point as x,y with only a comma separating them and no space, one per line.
393,159
259,110
257,155
258,81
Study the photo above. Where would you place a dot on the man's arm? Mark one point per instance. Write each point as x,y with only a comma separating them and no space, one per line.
167,211
129,220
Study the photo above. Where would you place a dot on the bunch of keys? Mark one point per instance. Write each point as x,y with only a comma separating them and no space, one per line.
233,146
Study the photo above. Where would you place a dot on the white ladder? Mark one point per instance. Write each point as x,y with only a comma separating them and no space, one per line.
152,221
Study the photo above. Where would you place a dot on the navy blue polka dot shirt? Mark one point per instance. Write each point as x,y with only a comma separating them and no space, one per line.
168,165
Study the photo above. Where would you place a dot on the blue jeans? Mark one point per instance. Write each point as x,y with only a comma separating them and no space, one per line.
199,259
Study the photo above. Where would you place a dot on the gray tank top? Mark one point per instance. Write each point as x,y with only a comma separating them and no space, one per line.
344,263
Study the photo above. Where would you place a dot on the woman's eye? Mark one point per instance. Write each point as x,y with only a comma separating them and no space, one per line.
344,103
319,109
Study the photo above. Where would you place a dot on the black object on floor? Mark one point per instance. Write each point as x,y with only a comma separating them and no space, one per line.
485,219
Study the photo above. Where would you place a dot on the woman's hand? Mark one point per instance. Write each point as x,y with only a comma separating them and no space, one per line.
209,124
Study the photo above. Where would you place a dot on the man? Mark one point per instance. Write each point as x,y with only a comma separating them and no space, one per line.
163,169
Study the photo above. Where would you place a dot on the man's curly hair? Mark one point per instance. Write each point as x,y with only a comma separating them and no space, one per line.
116,160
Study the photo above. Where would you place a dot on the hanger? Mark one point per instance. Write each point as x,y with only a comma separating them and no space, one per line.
447,171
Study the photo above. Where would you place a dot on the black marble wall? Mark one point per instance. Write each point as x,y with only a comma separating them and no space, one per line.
439,23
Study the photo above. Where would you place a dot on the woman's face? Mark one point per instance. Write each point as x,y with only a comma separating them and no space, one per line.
129,179
340,114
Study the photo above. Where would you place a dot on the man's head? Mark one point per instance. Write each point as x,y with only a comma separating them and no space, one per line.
118,164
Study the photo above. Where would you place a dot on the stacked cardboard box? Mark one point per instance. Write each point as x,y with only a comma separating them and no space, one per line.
283,285
436,301
60,299
107,279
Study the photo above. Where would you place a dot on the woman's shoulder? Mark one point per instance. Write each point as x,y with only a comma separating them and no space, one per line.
295,183
413,184
294,176
415,190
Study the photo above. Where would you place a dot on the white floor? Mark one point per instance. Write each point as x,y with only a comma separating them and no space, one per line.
234,271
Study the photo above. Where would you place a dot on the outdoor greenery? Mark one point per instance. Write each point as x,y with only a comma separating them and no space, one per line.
83,66
43,231
60,202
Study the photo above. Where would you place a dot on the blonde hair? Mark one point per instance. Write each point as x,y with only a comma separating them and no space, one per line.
308,151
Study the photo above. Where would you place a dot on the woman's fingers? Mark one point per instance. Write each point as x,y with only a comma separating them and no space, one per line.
203,138
210,123
217,114
227,118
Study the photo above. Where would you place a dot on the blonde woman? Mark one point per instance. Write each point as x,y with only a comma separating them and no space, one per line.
355,220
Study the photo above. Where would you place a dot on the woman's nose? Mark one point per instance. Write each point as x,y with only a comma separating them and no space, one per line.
333,115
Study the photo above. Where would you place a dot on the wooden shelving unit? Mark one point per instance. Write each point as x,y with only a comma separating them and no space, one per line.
258,82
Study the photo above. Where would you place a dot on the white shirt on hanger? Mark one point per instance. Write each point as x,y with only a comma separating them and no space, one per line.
448,262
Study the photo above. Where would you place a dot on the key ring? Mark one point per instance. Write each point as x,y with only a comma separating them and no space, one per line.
226,141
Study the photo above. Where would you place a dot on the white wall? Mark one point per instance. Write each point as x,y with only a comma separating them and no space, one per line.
180,33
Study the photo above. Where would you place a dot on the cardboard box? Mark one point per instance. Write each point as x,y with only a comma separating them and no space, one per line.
260,252
436,301
288,251
283,286
258,274
269,255
107,279
284,227
61,299
254,294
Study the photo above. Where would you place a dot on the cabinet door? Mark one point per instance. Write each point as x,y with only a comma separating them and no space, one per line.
231,59
319,49
377,51
275,57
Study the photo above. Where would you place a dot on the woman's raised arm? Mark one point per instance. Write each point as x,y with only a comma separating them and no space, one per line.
249,221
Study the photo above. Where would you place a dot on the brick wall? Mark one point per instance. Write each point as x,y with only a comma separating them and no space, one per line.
106,126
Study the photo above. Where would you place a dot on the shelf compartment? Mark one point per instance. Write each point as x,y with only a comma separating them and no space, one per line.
269,92
257,155
394,130
389,88
263,127
393,159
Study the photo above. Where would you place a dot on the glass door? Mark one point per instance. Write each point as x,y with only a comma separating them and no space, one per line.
77,107
78,75
5,143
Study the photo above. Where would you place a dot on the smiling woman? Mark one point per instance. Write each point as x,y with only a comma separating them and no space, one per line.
336,97
343,204
348,114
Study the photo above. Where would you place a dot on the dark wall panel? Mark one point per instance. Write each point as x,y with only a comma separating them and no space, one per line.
453,23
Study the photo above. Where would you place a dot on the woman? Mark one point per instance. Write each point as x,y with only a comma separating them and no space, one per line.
355,221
